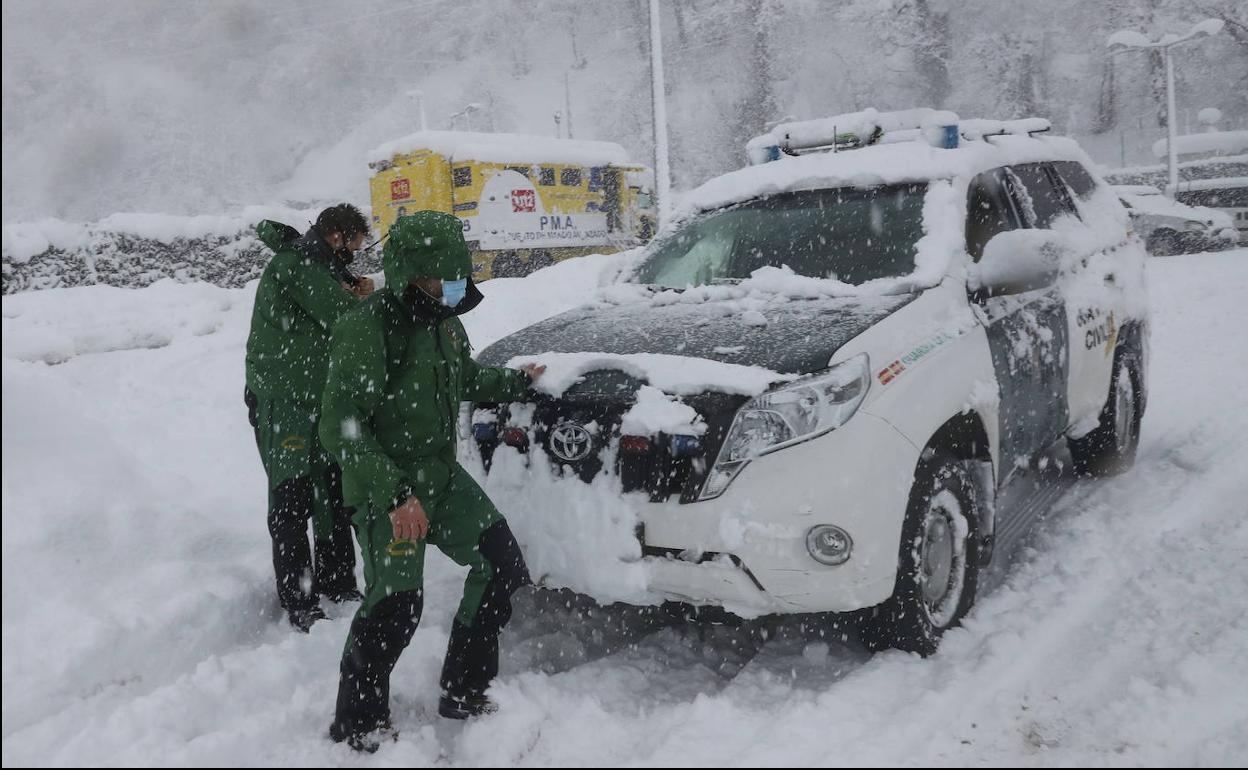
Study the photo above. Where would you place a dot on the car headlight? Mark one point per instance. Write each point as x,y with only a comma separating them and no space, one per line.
788,415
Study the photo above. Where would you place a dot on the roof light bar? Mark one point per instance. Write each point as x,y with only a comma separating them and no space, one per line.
939,128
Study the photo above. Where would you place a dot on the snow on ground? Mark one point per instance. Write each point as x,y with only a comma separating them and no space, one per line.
140,625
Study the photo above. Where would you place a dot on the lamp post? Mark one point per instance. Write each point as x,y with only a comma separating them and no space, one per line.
466,114
420,106
659,97
1130,40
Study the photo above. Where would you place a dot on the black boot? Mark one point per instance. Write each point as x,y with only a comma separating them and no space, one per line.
372,650
472,652
302,620
367,742
466,707
471,664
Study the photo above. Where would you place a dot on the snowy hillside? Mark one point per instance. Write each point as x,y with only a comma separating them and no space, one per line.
140,626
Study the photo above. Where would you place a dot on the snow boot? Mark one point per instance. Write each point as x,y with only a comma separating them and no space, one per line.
466,706
364,742
302,620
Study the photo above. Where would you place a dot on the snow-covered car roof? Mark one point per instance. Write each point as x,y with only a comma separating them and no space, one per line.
897,163
504,148
1149,200
1135,189
1217,142
1218,183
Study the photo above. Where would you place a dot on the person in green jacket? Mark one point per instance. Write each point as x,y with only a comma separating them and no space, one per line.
400,365
304,289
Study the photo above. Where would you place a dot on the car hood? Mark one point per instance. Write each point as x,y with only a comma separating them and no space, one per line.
790,336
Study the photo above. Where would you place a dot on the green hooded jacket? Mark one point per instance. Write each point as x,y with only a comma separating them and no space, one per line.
400,364
297,302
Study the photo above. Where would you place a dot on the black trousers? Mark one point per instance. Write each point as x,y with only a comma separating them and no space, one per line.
303,574
377,641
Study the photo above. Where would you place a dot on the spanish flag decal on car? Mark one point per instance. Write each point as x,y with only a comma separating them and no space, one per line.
891,372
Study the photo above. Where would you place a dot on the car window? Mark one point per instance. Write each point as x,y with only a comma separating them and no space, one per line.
1222,197
1040,196
851,234
706,258
1076,176
988,211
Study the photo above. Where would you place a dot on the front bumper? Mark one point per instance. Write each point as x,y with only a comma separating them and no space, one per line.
746,550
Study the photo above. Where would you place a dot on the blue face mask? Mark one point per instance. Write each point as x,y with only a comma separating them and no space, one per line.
453,292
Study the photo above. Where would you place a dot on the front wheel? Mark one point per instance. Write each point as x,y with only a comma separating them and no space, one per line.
937,564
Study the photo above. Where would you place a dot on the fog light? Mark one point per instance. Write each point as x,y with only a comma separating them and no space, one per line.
484,431
686,446
829,545
634,444
516,437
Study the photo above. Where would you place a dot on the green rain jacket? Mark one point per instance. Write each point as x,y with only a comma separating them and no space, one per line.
400,365
299,298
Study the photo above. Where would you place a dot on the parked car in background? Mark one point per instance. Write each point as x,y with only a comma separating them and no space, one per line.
1226,194
1170,227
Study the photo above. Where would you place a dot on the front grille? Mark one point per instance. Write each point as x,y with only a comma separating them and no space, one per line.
585,423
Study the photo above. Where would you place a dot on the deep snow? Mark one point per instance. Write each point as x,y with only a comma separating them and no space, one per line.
140,625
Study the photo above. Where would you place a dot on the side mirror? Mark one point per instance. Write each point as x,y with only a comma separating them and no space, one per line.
1019,260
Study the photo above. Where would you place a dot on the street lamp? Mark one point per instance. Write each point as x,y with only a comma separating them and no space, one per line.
659,111
466,114
1130,40
419,97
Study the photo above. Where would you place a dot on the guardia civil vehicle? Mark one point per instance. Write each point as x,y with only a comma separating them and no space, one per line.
875,331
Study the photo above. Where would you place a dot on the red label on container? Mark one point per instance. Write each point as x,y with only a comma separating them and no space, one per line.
523,200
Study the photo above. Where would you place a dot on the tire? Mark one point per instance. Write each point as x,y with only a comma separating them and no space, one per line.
938,563
1110,448
1163,243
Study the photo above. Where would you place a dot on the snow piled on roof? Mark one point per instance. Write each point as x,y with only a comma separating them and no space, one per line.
819,131
504,148
1216,142
875,165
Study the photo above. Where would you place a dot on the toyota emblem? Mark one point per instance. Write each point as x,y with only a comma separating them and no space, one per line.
570,442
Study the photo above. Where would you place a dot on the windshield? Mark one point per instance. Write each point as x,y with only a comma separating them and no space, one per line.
851,234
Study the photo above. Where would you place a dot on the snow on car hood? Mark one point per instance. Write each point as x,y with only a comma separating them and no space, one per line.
762,340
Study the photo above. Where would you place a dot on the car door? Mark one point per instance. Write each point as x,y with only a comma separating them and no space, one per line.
1027,332
1093,287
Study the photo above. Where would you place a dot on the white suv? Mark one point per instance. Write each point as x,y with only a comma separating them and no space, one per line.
828,373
